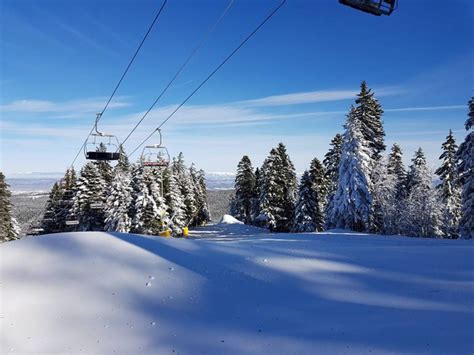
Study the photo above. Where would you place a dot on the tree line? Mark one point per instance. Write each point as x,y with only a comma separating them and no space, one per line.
128,198
358,187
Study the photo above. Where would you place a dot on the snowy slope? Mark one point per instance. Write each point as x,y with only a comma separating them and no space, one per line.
236,289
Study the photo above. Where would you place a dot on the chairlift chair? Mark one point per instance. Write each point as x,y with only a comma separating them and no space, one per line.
101,146
155,155
72,222
374,7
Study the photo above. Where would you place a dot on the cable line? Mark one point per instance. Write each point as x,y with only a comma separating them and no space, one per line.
99,115
181,68
269,16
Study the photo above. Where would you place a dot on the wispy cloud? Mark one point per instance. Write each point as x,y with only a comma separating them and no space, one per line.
315,97
72,106
426,108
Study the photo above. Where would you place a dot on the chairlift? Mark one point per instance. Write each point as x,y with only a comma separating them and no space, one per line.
155,155
374,7
101,146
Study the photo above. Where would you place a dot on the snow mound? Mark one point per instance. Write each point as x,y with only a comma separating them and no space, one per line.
237,290
228,219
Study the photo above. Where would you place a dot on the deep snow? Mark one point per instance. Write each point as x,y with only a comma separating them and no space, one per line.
236,289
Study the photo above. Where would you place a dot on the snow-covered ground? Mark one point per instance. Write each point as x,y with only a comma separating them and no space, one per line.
236,289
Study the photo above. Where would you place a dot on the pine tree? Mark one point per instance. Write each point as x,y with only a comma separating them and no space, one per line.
90,199
203,215
51,222
308,212
466,176
450,189
369,112
66,213
278,191
331,163
244,186
422,213
396,168
186,187
385,216
175,202
9,229
255,209
119,199
351,206
320,186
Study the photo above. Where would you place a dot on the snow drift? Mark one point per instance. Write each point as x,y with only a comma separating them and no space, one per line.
236,290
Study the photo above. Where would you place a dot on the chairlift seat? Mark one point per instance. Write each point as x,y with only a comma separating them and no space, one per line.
102,156
374,7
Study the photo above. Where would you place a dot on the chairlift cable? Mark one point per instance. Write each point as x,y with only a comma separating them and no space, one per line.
269,16
99,116
181,68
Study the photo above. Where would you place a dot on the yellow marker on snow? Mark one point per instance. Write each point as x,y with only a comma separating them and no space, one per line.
166,233
185,231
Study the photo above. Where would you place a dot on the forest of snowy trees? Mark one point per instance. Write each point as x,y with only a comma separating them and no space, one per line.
358,187
128,198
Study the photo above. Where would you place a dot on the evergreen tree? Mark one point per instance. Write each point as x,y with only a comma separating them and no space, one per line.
422,213
175,202
9,229
278,191
320,186
466,175
351,206
203,215
308,212
90,199
331,163
186,187
385,217
51,221
255,210
396,168
244,186
119,199
450,189
69,187
369,112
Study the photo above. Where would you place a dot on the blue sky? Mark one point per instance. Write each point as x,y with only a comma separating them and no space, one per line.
293,82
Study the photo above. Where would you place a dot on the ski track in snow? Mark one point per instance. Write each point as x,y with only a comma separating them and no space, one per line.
234,289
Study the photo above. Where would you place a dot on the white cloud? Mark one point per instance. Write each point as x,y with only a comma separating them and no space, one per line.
314,97
426,108
90,105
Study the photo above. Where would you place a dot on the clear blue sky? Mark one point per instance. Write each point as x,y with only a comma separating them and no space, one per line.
293,82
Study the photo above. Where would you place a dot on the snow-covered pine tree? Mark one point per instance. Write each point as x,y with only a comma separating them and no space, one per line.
119,199
255,209
244,187
321,188
369,112
69,187
278,191
175,202
308,214
9,229
203,215
422,213
385,217
186,187
90,199
396,168
150,210
466,174
351,206
51,222
450,189
331,163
